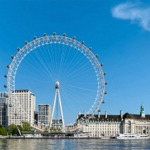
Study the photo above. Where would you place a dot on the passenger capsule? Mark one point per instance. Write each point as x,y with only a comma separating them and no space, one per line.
34,37
99,110
25,43
82,42
5,76
73,37
5,86
10,105
90,48
12,57
54,34
18,49
64,34
44,34
96,55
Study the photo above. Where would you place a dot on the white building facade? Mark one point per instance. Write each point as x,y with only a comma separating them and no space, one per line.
137,124
113,125
100,125
21,107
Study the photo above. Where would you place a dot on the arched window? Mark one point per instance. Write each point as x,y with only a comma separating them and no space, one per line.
129,126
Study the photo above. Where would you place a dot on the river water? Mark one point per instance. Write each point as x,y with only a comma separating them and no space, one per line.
73,144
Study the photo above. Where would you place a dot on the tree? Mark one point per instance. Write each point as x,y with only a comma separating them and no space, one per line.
20,128
26,126
12,129
3,131
52,129
47,129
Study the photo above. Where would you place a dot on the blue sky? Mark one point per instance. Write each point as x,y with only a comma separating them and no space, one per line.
118,31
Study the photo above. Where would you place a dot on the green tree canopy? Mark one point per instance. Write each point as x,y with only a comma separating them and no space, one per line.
12,129
26,126
3,131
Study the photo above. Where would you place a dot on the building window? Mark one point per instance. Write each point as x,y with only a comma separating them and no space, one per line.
129,126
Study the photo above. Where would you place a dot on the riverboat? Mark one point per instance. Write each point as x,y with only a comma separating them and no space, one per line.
81,135
133,136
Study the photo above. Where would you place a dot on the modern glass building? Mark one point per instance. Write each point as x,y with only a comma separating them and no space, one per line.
3,109
44,115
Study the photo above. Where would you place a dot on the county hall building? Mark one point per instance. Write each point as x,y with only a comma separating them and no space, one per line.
112,125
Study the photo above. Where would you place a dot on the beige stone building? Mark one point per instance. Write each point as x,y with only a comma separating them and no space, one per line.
100,125
112,125
136,124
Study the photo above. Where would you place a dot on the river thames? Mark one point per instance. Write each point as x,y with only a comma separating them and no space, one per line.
73,144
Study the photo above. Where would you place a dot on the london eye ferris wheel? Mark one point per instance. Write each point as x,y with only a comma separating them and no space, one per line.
50,58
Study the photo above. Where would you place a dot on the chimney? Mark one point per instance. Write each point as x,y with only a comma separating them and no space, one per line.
85,114
105,114
99,115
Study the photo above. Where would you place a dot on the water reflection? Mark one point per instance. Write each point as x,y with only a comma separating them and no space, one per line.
4,144
72,144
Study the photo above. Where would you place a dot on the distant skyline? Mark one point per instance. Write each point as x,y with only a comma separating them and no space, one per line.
118,31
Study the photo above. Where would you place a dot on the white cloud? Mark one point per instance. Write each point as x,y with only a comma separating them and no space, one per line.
133,12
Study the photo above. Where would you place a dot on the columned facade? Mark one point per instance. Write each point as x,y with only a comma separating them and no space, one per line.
100,125
113,125
135,124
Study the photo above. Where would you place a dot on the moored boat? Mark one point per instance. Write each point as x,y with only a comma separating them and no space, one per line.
81,135
133,136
